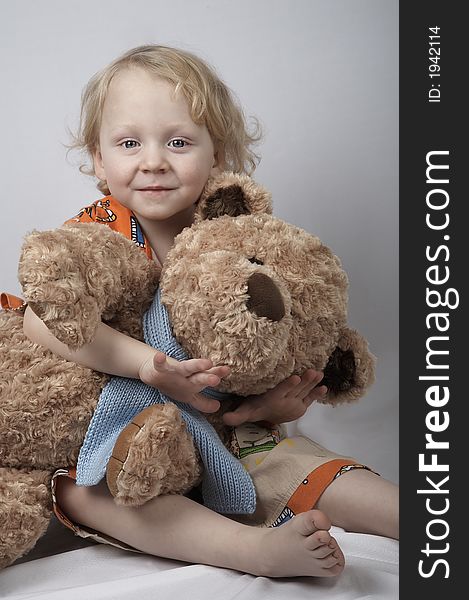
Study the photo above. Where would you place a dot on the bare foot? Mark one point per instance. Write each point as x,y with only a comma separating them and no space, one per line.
302,546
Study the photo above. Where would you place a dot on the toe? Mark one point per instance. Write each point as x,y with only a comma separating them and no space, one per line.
322,550
330,561
318,539
308,522
336,559
333,571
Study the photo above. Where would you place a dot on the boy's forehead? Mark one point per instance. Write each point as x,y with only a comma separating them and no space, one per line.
135,90
137,99
133,78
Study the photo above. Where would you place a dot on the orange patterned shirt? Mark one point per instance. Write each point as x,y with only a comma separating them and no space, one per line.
108,211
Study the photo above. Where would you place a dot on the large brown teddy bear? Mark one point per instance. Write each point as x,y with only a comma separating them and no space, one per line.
241,287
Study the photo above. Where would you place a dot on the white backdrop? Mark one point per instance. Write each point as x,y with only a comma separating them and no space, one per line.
321,75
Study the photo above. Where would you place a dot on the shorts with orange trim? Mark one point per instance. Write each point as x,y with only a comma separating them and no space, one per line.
290,473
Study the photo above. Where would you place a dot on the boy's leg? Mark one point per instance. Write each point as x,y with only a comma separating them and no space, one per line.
179,528
363,502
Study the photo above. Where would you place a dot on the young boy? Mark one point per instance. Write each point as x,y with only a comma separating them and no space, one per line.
157,124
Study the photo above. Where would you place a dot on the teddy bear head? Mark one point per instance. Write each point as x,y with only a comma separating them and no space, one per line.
262,296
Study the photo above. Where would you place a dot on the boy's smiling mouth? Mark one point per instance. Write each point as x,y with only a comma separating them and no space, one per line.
154,188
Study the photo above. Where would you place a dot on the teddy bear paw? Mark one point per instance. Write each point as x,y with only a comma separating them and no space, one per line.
153,455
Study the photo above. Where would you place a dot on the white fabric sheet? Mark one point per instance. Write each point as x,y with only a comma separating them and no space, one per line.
98,572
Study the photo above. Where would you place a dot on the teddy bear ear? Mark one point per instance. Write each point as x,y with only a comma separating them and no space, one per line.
350,368
232,194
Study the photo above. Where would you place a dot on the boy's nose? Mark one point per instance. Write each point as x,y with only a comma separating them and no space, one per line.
153,159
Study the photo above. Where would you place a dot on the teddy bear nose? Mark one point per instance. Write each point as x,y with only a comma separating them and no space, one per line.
265,299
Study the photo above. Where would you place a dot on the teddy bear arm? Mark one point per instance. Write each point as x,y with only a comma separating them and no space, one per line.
74,324
77,275
119,275
25,511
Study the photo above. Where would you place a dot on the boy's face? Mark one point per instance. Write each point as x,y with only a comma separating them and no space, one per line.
154,158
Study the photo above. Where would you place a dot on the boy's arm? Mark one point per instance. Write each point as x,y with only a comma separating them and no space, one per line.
115,353
110,352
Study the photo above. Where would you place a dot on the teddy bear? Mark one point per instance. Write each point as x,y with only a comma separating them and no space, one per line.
239,286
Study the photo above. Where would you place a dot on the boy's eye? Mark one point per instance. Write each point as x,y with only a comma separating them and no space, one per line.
177,143
129,144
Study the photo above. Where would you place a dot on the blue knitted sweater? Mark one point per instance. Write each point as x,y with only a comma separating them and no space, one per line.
226,486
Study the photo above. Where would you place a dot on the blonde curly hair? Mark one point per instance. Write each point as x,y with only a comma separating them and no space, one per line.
210,102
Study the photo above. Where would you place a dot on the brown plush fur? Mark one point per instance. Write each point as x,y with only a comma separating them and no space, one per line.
78,275
205,286
247,290
46,403
232,194
26,510
134,476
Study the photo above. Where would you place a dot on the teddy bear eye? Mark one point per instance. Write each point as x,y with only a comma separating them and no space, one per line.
255,261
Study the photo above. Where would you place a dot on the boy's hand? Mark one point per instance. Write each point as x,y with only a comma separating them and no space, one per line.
288,401
182,380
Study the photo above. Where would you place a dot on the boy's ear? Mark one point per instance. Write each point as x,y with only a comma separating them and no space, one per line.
98,165
218,163
232,194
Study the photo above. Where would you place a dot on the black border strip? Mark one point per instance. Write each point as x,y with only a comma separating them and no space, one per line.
432,258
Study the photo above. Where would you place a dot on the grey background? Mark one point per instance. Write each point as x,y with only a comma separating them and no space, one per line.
321,75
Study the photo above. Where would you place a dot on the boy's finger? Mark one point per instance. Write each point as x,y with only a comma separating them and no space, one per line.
287,385
204,404
319,392
194,365
204,379
159,360
211,378
247,411
237,417
309,381
162,362
232,419
220,372
186,368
